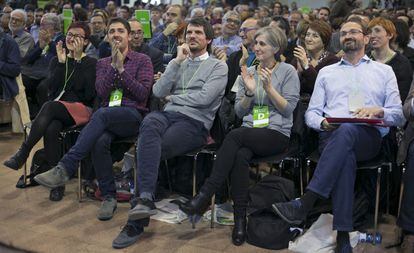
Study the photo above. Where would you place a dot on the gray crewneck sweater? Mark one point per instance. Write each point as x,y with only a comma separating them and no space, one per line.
195,88
285,80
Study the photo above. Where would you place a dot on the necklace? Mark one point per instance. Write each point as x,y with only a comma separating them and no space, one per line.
321,57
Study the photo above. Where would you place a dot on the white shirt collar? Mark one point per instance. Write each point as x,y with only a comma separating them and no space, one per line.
201,57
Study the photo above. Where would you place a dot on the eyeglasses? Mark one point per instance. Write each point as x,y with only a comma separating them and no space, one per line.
71,35
137,32
352,32
234,21
246,29
16,20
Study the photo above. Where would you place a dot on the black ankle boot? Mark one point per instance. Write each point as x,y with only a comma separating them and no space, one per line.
238,235
17,160
197,205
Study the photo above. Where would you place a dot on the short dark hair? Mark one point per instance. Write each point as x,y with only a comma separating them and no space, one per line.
124,7
122,21
325,8
29,7
80,14
50,6
208,29
403,33
82,25
283,23
39,9
358,21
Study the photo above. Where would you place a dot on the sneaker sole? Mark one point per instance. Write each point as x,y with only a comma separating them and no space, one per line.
141,215
276,210
105,218
41,182
121,246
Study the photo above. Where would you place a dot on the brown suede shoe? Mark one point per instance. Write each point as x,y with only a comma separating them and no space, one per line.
408,244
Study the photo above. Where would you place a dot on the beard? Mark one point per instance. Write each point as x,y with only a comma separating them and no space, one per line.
351,45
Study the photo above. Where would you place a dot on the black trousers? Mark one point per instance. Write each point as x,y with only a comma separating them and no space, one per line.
52,118
233,158
36,92
406,218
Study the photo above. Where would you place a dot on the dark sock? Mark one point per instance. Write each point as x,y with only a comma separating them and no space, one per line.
308,200
406,232
342,238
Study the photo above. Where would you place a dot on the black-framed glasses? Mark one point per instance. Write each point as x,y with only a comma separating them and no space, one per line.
71,35
246,29
232,20
137,32
352,32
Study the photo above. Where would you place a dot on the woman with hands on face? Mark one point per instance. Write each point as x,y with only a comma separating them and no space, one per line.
72,91
265,100
314,56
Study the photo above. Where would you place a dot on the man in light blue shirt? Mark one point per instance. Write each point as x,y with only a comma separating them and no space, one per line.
354,87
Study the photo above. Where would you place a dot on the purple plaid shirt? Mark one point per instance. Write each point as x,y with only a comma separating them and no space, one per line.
136,81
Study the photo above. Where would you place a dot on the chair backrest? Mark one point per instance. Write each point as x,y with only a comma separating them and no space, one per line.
299,127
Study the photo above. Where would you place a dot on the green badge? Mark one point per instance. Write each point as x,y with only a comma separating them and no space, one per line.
116,98
260,116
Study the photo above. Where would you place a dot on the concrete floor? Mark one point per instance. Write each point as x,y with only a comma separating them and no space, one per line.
28,220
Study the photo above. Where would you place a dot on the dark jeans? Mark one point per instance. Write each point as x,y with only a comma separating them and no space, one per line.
49,122
164,135
106,124
406,218
336,170
233,158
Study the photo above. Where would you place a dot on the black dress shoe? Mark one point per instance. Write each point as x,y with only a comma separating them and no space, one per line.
17,160
292,212
238,235
56,194
197,205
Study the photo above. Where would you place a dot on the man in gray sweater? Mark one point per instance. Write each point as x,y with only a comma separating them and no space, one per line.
193,85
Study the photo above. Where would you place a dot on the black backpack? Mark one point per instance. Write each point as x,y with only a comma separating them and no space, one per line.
264,228
39,165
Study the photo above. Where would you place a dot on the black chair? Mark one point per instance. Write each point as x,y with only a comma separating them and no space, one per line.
217,134
63,136
132,140
294,152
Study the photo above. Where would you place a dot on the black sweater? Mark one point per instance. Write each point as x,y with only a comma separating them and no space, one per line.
80,86
404,73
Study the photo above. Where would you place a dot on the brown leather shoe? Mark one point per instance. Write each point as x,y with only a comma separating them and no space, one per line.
408,244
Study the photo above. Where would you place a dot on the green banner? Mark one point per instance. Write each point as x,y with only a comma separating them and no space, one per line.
42,3
144,17
67,19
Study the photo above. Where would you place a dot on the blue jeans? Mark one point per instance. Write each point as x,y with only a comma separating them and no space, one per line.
164,135
336,170
106,124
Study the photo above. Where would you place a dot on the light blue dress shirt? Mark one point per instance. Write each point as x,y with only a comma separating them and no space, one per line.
233,43
335,82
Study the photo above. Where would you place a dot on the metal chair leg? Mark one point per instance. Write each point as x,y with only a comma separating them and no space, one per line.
388,186
401,190
377,199
25,163
308,162
168,176
135,172
79,184
213,211
281,166
194,183
300,176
